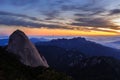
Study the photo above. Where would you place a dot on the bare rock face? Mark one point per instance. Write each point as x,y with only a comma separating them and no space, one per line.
20,45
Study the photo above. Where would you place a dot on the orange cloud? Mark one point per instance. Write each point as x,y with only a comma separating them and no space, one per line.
63,32
56,32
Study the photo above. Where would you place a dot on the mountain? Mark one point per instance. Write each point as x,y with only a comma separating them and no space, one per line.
35,40
116,42
79,44
3,42
20,45
44,39
76,64
96,68
59,58
77,57
113,44
12,69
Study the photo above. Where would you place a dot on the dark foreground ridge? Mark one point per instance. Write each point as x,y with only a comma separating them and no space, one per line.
12,69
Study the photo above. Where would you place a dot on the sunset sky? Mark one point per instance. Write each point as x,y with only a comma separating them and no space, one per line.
61,17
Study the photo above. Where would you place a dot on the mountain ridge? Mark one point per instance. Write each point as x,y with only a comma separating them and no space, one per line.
89,48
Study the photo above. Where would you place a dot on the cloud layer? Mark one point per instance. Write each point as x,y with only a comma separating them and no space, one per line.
59,14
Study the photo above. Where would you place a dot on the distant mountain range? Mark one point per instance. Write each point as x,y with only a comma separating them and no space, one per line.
116,42
110,41
34,40
79,44
4,41
113,44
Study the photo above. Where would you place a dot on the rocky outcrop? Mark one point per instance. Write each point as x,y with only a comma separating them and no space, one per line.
20,45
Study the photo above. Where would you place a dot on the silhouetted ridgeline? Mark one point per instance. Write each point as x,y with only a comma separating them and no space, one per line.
79,44
77,57
12,69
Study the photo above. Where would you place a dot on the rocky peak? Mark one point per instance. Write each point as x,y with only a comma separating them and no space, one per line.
20,45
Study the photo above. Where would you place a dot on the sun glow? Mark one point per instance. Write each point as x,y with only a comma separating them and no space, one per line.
57,32
116,21
64,32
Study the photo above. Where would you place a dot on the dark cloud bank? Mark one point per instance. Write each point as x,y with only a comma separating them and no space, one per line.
88,14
